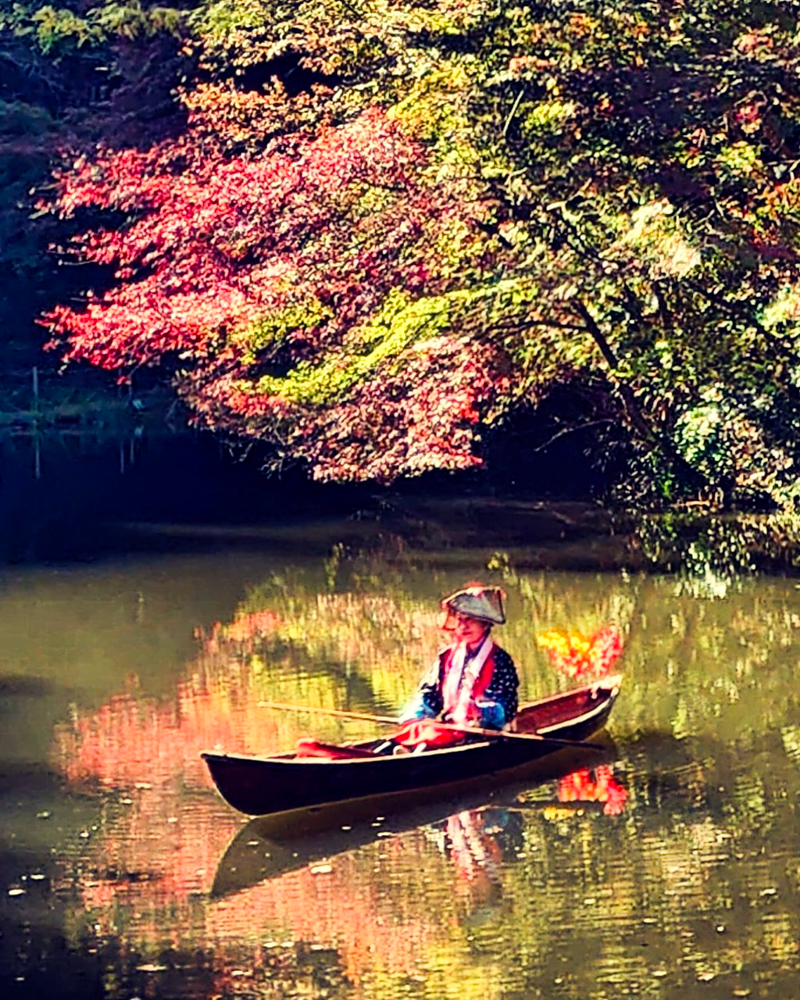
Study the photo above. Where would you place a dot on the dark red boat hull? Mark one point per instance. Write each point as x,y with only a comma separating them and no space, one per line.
258,786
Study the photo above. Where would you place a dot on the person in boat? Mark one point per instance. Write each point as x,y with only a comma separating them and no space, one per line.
473,682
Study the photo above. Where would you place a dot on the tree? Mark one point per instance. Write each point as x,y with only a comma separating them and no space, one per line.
277,275
386,229
643,144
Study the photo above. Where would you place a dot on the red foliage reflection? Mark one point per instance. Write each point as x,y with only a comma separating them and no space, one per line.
595,785
332,904
148,867
133,739
244,628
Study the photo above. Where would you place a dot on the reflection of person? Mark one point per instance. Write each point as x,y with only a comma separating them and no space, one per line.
473,681
481,842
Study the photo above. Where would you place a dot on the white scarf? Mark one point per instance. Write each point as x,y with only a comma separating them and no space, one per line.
461,678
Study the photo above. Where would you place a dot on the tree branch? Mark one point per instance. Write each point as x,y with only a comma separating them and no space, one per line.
570,430
637,419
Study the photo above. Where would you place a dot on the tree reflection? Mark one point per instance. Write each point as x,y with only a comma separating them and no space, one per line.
597,784
581,657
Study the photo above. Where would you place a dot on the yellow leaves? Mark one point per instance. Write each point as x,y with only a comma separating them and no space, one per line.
445,17
740,159
581,25
52,26
549,116
436,110
398,324
784,308
563,644
436,103
656,240
273,328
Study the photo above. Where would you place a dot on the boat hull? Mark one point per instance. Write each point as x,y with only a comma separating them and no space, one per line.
259,786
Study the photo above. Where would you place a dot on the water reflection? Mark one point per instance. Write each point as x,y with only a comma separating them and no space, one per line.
594,785
357,889
671,869
477,842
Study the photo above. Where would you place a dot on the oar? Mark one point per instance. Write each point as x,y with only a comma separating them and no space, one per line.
494,734
330,711
490,734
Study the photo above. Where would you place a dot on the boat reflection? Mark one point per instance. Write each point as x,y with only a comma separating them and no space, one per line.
475,833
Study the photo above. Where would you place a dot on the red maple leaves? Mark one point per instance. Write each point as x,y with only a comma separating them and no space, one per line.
212,243
578,656
215,249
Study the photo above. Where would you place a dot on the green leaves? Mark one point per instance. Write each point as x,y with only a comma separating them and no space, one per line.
58,30
604,194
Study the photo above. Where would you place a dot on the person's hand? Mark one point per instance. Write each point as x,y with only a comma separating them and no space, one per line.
491,714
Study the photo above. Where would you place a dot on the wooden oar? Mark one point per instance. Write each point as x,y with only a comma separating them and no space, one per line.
330,711
494,734
490,734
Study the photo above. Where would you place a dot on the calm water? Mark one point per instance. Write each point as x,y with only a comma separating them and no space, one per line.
669,871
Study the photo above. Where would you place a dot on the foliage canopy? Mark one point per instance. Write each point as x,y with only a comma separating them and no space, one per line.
384,229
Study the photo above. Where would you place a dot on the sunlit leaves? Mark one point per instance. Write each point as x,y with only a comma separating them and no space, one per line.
261,271
606,193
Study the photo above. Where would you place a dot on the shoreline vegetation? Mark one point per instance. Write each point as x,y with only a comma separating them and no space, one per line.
70,409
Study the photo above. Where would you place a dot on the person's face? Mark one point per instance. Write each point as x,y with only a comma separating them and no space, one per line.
469,630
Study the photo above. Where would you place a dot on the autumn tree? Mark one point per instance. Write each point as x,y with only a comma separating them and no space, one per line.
646,172
387,228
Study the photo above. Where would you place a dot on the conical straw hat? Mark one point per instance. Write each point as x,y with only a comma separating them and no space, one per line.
483,603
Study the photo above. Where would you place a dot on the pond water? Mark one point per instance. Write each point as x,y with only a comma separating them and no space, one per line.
669,870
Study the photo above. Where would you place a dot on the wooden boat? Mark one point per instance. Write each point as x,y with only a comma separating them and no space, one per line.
259,786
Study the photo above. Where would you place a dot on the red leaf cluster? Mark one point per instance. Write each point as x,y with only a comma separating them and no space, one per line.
578,656
213,244
596,785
